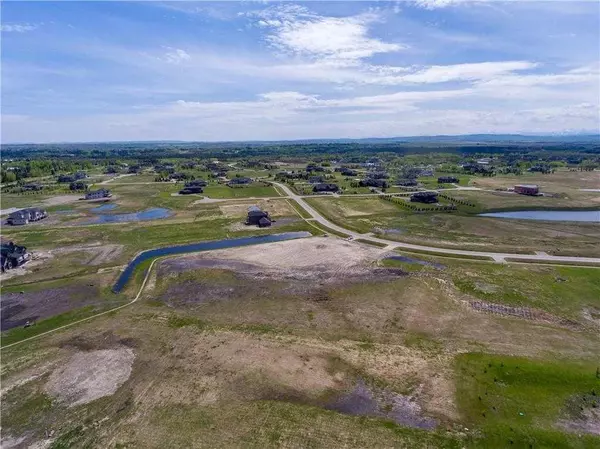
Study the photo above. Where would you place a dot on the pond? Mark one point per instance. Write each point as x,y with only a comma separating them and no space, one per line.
202,246
549,215
154,213
104,208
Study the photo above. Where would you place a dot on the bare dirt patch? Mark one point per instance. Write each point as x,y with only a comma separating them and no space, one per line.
582,414
18,308
275,208
307,265
365,400
88,376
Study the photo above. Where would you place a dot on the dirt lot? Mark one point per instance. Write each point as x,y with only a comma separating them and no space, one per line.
18,308
275,208
87,376
315,258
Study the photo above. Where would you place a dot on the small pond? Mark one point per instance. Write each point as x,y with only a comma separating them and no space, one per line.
549,215
406,259
103,208
202,246
149,214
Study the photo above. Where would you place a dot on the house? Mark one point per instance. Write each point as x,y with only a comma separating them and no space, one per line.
12,255
316,179
32,186
406,182
424,197
24,216
239,181
264,222
324,187
314,167
372,182
196,183
348,172
66,178
378,175
78,185
447,180
97,194
188,190
256,215
80,175
527,189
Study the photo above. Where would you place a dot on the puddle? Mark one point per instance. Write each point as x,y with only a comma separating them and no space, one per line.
407,259
104,208
367,401
148,214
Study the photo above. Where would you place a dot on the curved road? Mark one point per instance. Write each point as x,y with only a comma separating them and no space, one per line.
390,244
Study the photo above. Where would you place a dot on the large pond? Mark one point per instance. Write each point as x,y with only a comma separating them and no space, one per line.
202,246
154,213
549,215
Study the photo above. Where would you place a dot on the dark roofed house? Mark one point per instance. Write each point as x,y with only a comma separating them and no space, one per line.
406,182
316,179
447,180
239,181
372,182
188,190
97,194
264,222
255,215
196,183
325,187
314,167
348,172
24,216
65,178
424,197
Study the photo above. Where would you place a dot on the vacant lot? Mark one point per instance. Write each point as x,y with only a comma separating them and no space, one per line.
312,343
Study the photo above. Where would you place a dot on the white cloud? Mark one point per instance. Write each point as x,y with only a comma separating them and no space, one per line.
339,40
176,56
17,27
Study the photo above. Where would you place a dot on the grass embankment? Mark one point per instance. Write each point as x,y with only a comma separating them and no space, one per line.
518,402
370,242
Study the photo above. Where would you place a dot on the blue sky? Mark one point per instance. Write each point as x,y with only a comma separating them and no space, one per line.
106,71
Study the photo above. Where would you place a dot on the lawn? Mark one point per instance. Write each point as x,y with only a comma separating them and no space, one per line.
518,402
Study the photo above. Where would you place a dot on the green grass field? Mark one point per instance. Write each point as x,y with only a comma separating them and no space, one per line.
517,402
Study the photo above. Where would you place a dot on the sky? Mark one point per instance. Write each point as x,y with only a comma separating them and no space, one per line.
225,71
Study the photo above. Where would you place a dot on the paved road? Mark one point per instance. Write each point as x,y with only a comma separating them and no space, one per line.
498,257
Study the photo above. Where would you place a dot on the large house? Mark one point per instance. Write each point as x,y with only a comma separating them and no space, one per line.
447,180
424,197
258,217
239,181
97,194
372,182
190,190
527,189
24,216
325,187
